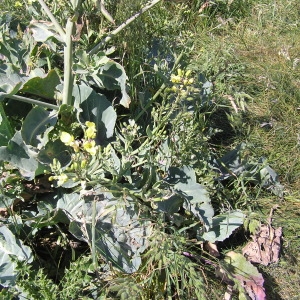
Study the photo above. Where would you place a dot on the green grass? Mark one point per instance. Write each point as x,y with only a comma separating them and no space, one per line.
250,50
258,54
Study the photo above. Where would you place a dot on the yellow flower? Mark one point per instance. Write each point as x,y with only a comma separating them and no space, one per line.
188,73
90,124
67,138
89,146
75,145
90,132
61,179
180,72
175,78
18,4
191,81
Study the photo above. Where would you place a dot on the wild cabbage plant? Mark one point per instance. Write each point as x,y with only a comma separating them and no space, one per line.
115,188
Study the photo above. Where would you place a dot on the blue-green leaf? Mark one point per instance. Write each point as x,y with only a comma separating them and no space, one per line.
95,108
196,197
10,80
223,226
54,150
19,155
6,130
42,31
35,125
121,231
103,72
10,247
42,86
113,77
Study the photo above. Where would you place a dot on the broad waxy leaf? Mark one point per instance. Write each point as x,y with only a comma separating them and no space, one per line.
113,77
35,124
223,226
120,231
233,164
43,30
54,149
18,154
43,86
103,72
37,83
12,48
6,131
10,81
169,204
11,247
196,198
95,108
269,179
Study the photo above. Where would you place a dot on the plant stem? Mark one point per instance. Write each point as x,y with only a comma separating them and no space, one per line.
68,62
122,26
32,101
163,86
93,248
52,18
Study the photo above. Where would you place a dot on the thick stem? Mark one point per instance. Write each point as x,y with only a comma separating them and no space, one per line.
53,20
68,62
122,26
32,101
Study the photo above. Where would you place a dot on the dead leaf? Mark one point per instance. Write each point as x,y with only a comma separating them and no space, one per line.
212,249
79,25
3,212
204,6
237,272
266,244
231,99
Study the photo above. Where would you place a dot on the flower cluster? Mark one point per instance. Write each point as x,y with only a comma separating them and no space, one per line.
18,4
182,77
61,179
183,84
85,150
88,144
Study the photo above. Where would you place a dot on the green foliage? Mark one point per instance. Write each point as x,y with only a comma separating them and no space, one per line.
76,283
137,184
13,250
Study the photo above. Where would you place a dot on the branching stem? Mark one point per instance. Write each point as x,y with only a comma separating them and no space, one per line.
122,26
68,62
53,20
32,101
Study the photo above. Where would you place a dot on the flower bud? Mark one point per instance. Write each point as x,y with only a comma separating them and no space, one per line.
83,164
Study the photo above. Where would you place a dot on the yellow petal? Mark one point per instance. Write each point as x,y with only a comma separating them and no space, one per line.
66,138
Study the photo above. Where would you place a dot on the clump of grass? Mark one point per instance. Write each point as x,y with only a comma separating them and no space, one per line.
258,55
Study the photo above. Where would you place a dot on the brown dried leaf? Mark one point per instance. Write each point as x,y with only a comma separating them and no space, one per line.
266,244
3,212
265,247
212,249
204,6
